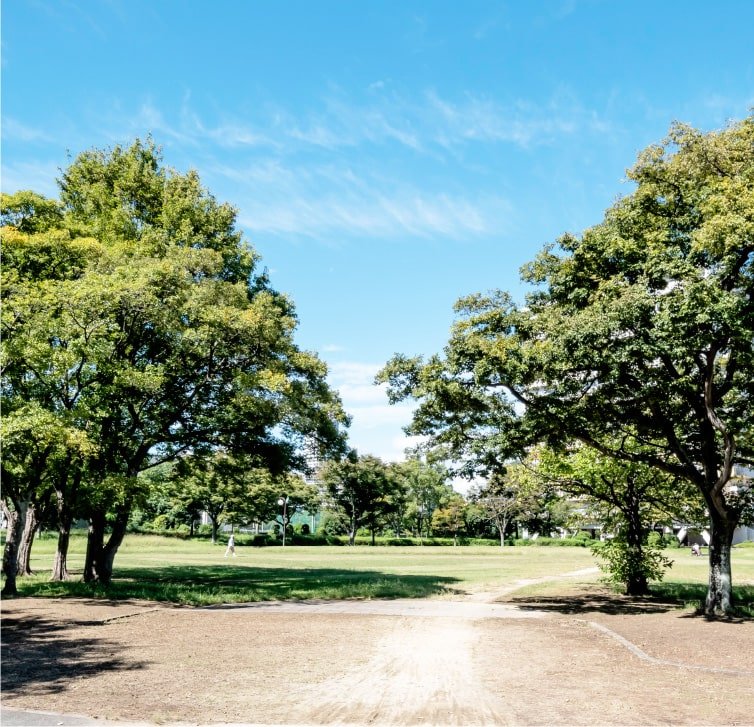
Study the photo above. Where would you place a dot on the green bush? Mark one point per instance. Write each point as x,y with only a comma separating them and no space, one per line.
159,523
482,541
305,539
555,542
662,540
622,563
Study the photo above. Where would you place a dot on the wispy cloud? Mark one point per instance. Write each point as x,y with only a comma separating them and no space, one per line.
380,214
39,176
374,421
341,170
425,124
334,199
14,130
477,119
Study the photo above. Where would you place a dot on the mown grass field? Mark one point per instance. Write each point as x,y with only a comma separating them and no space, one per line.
196,572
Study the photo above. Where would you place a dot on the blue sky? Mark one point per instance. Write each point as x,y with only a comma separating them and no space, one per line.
386,158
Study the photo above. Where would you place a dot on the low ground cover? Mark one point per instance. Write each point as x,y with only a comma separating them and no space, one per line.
197,573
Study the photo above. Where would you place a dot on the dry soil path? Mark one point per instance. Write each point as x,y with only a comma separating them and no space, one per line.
473,661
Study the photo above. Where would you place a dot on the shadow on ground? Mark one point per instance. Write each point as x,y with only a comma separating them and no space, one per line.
231,583
39,656
594,603
663,597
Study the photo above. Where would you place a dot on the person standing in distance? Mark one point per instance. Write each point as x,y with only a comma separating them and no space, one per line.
231,546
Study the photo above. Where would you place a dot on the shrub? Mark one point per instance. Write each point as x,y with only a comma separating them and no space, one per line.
624,565
555,542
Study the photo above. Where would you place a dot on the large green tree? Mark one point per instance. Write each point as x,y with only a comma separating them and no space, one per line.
637,338
160,337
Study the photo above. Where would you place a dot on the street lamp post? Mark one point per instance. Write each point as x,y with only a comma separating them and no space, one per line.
283,502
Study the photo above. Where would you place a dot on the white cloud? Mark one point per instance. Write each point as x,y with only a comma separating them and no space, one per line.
329,200
31,175
376,425
424,124
14,130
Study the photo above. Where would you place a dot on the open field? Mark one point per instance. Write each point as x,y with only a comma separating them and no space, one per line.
196,573
523,636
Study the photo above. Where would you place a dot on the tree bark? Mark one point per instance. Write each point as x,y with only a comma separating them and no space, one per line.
60,564
502,524
15,524
114,542
27,539
719,594
636,577
65,496
100,556
95,539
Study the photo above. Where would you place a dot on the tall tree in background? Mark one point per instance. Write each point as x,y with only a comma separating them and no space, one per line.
637,339
506,495
451,517
359,486
428,489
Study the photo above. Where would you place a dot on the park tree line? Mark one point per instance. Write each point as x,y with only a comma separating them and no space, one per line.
355,495
415,502
628,372
138,329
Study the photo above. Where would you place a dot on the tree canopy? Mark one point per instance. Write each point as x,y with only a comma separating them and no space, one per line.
135,314
635,340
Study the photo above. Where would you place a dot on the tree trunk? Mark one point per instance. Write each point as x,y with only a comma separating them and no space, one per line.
636,576
352,531
27,539
95,539
64,496
719,596
502,524
100,556
15,524
214,523
114,542
60,564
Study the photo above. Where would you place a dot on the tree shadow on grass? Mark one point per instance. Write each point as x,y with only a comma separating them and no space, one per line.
663,597
41,655
695,594
204,585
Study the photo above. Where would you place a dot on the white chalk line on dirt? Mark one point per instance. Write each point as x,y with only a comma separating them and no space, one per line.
634,649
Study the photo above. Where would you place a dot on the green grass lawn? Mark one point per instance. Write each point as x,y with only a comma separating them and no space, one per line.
195,572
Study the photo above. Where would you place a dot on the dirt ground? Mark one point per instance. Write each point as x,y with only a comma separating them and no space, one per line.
590,659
